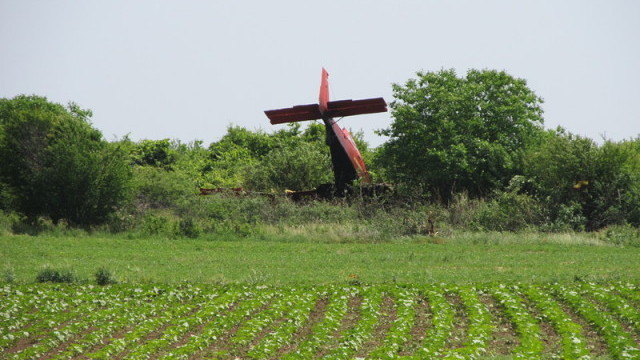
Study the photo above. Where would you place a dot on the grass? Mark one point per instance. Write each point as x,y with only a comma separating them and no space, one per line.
288,259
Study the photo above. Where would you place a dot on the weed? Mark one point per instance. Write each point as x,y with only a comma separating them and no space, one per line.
622,235
155,225
257,277
56,276
9,275
7,222
105,277
188,228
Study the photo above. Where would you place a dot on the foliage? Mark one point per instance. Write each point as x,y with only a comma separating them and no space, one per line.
621,344
8,275
159,188
453,134
303,167
49,274
287,158
583,184
227,164
7,222
329,321
157,153
188,227
153,225
622,235
59,166
192,161
105,277
257,143
508,211
466,153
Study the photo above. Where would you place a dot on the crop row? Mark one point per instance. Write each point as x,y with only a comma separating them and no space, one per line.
331,322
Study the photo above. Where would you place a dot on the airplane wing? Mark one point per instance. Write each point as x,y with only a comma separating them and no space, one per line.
296,113
355,107
334,109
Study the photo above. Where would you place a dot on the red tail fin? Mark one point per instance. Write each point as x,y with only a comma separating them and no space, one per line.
324,91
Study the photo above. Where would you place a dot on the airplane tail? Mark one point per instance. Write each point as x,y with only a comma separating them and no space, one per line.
323,99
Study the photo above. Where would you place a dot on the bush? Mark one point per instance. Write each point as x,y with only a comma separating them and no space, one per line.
462,210
188,228
9,275
157,153
152,224
508,211
8,223
302,167
568,217
56,276
158,188
407,221
585,185
105,277
622,235
59,167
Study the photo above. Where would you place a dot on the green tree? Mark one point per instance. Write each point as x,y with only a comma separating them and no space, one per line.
56,164
453,133
584,185
159,153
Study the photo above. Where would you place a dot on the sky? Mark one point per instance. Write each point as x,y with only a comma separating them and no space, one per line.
188,69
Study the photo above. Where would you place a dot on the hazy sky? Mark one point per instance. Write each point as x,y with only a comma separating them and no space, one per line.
187,69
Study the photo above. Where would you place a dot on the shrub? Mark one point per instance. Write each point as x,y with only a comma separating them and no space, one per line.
158,188
302,167
105,277
188,228
583,184
59,167
508,211
56,276
421,220
462,210
568,217
152,224
8,222
622,235
9,275
157,153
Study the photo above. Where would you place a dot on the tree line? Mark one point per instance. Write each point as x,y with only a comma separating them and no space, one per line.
478,137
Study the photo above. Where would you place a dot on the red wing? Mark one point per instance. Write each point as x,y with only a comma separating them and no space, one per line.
335,109
296,113
355,107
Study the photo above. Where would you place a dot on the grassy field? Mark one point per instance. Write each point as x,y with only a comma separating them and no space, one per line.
466,258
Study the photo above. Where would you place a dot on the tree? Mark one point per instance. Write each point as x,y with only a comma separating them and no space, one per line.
453,134
56,164
158,153
583,185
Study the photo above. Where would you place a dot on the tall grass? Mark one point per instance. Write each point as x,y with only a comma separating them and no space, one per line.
358,220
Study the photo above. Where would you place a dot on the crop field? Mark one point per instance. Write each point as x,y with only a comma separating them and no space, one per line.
581,320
